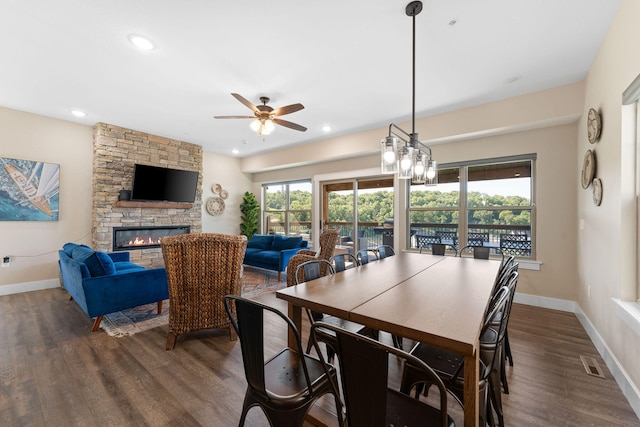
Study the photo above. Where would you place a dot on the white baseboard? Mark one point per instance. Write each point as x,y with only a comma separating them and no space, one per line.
29,286
628,388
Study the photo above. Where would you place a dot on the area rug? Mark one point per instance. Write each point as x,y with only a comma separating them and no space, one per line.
255,282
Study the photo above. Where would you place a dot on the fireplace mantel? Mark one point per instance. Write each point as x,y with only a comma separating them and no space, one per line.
155,205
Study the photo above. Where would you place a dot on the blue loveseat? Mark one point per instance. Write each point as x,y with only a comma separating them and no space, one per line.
103,283
272,251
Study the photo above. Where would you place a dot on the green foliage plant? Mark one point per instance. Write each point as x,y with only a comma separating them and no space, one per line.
250,210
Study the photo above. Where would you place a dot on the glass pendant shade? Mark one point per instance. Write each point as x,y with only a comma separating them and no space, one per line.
419,167
405,161
389,163
431,173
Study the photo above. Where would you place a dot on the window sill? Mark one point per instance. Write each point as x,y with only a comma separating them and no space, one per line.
629,312
529,265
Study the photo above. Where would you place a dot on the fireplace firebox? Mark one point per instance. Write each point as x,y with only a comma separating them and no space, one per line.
130,238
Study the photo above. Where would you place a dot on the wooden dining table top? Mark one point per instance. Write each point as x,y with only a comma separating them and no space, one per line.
338,294
443,305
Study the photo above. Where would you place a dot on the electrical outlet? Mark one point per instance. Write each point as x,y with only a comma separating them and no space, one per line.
6,261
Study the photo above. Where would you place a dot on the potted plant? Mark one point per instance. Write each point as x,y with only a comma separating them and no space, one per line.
250,210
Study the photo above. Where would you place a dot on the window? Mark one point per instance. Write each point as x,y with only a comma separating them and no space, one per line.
287,208
481,203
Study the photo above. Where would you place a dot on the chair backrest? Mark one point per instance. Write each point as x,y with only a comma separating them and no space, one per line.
364,364
496,313
247,317
515,244
437,249
328,241
385,251
477,239
312,270
479,252
366,255
201,267
344,261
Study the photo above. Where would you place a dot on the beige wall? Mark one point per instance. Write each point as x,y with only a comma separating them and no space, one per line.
223,170
544,123
35,244
606,247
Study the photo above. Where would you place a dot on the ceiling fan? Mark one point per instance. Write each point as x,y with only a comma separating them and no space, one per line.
266,116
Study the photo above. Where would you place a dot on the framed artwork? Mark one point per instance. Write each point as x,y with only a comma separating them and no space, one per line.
28,190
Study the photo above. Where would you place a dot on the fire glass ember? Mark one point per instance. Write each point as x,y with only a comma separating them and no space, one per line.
128,238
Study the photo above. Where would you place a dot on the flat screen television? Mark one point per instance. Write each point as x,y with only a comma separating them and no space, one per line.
154,183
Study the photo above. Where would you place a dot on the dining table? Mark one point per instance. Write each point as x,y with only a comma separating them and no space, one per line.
437,300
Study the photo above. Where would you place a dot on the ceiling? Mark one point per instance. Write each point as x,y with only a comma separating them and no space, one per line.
348,62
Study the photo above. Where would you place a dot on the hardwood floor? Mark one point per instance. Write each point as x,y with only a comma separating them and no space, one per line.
54,372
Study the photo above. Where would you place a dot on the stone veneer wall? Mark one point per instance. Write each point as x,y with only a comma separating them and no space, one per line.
115,151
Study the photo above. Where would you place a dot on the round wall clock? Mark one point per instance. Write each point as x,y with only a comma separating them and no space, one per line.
588,168
215,206
594,125
597,191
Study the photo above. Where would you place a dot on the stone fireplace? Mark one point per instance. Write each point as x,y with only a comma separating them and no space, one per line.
115,151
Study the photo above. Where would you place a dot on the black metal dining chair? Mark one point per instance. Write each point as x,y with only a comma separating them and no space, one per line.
286,385
369,400
311,270
343,261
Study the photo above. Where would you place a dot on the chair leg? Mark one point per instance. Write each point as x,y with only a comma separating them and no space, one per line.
159,307
96,324
171,340
507,347
233,336
279,274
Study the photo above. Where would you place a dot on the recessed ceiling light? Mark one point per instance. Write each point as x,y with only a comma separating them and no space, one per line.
78,113
235,151
141,42
326,128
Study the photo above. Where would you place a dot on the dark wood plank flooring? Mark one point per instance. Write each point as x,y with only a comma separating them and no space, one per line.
54,372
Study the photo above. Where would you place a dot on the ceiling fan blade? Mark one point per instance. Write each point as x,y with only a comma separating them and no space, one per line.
290,125
245,102
234,117
287,109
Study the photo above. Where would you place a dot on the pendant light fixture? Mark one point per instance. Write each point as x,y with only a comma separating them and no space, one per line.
412,160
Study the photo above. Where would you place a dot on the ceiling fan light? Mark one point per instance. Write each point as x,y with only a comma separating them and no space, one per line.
255,125
269,126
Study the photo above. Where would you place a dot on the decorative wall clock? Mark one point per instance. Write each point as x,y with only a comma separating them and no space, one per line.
594,125
588,168
597,191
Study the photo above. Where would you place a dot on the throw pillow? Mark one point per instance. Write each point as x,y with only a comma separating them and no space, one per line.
98,263
260,241
281,243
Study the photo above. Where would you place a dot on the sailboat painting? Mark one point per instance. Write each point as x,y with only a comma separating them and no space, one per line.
28,190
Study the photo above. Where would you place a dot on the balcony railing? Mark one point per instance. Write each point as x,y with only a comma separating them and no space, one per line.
376,234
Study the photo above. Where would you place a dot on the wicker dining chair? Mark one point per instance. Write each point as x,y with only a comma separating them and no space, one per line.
328,241
201,269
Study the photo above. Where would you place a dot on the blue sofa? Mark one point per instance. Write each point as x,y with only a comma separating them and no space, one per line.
102,283
272,251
